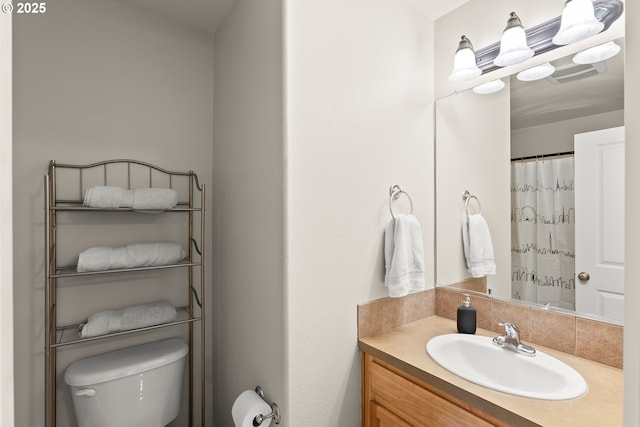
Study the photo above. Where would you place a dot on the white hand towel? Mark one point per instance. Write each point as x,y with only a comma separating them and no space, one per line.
132,317
404,256
478,246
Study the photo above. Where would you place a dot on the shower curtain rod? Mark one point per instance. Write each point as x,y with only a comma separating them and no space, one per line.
542,156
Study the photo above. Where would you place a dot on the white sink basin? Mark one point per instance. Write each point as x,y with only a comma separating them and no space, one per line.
476,359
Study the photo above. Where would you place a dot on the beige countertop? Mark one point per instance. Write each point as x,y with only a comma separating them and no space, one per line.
404,348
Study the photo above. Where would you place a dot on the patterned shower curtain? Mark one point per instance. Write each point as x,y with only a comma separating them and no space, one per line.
542,232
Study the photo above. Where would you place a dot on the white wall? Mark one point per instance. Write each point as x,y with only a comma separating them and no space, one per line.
359,111
632,244
6,232
359,119
95,81
248,230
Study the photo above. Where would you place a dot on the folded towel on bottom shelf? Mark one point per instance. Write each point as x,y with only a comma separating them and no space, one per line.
104,196
404,256
127,318
102,258
478,246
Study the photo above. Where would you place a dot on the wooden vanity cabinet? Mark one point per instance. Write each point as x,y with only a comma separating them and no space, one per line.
391,398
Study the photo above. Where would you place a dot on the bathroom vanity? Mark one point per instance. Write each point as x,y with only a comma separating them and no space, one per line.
402,386
396,399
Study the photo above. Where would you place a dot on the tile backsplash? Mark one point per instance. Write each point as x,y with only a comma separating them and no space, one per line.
379,316
589,339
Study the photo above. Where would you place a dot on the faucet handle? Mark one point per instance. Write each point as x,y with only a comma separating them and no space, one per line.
512,338
511,330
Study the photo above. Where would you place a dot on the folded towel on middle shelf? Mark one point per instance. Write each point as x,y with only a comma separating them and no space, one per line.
104,196
127,318
478,246
102,258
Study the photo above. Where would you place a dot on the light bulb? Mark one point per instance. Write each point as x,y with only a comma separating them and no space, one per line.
489,87
536,73
513,45
464,63
597,53
578,22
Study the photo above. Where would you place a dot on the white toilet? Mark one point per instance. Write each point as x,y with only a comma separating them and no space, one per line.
133,387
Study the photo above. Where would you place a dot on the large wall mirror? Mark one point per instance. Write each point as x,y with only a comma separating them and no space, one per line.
552,153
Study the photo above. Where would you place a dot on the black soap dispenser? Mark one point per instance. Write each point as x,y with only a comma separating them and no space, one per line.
466,317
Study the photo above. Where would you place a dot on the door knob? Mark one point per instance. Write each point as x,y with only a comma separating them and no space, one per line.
584,277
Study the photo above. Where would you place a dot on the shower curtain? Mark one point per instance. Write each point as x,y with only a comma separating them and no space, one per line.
542,232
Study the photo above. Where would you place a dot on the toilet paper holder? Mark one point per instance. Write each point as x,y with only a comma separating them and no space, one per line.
275,411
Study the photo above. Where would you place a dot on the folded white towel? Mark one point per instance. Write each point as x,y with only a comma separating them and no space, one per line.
478,246
140,198
132,317
404,256
104,197
154,198
102,258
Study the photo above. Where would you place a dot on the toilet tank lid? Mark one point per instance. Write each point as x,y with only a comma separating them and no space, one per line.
124,362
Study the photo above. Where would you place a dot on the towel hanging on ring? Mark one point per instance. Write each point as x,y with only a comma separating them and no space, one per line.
476,240
403,251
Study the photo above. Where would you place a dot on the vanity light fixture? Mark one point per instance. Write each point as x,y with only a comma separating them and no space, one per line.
578,22
539,39
597,53
536,73
513,45
489,87
464,63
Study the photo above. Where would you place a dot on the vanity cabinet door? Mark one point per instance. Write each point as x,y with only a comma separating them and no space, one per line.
382,417
394,399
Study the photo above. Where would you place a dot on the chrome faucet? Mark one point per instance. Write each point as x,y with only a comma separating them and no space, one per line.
511,339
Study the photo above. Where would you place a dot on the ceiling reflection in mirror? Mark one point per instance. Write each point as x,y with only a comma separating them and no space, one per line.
572,91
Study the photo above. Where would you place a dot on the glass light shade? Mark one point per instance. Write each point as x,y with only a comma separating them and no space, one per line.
513,45
578,22
536,73
489,87
597,53
464,63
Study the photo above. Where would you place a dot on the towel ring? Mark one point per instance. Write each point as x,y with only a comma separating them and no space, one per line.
394,193
466,196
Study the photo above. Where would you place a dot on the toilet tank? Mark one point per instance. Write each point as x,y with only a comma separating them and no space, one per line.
136,386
